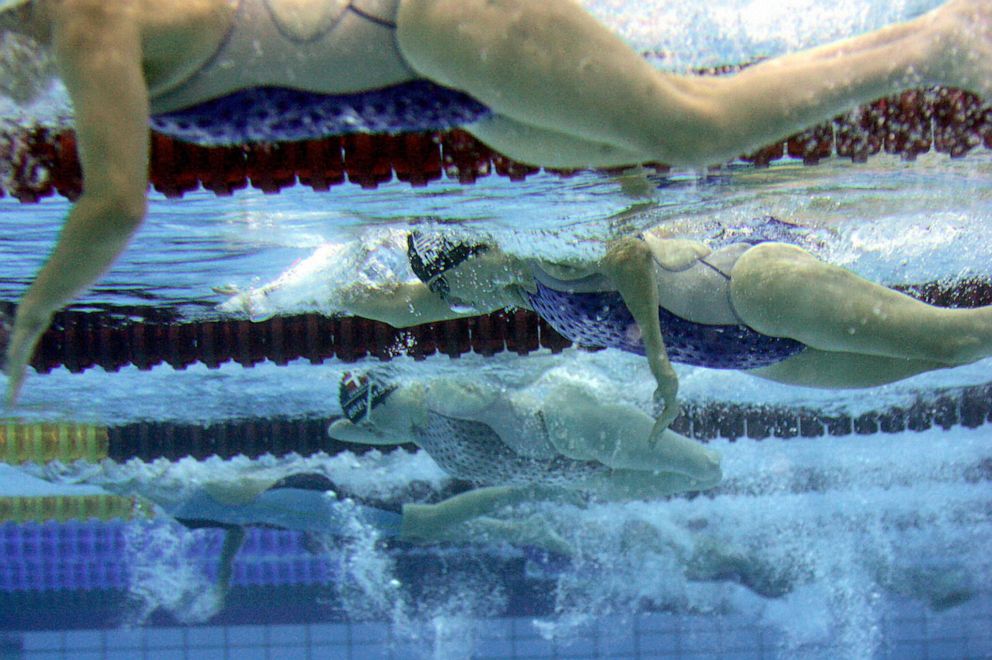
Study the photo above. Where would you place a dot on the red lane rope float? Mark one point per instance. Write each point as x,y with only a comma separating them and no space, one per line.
42,163
80,340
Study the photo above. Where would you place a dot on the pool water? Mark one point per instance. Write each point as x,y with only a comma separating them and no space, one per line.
869,542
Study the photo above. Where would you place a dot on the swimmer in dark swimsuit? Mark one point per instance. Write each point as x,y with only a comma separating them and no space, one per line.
769,308
564,444
541,82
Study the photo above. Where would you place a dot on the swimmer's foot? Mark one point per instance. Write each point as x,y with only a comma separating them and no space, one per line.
18,352
386,517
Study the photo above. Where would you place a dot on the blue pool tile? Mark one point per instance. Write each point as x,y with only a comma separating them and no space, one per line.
950,649
43,641
330,633
697,642
661,643
405,650
979,647
493,648
663,623
535,647
162,654
497,629
84,640
369,632
247,636
205,654
289,652
122,654
908,629
332,652
372,651
741,655
290,635
85,655
125,638
249,653
160,638
903,650
618,646
206,636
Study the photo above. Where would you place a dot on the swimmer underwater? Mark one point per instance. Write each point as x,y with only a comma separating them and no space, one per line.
751,300
542,82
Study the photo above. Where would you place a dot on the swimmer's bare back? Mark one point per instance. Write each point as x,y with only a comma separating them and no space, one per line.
562,91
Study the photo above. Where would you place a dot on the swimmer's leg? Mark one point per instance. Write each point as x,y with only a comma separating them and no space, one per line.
835,370
98,50
551,65
234,538
783,291
549,148
636,484
447,520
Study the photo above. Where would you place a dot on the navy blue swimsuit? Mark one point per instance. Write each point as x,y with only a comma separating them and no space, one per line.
274,114
601,319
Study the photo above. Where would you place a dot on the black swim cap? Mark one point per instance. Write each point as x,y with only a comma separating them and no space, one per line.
434,255
359,395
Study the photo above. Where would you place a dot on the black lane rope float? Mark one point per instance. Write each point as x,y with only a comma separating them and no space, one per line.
42,162
147,337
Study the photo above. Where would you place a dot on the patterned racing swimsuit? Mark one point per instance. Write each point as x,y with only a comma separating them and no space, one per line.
474,452
259,59
601,318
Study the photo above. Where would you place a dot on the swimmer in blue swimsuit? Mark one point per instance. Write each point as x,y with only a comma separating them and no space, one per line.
767,307
540,81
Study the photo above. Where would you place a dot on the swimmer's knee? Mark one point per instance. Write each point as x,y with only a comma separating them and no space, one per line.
126,209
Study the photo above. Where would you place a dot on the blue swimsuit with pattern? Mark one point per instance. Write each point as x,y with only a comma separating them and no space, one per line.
602,319
274,114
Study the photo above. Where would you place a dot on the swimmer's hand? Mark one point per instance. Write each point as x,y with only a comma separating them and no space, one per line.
23,338
252,302
666,404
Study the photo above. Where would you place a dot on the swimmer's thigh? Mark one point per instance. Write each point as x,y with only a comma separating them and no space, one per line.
547,148
834,370
783,291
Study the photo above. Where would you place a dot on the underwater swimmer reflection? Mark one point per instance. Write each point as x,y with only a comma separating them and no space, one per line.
230,70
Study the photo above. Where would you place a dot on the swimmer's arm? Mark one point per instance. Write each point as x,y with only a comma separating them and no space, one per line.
98,51
675,254
630,266
403,305
620,436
